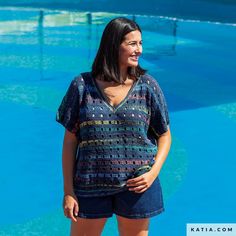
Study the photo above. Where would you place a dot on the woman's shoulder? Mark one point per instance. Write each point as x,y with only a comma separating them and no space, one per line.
81,78
150,81
78,83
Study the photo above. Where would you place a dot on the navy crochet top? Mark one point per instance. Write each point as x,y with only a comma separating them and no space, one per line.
112,141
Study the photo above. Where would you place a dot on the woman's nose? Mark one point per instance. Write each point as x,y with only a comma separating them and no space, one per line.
138,48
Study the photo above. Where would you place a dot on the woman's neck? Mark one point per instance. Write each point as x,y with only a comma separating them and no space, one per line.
124,74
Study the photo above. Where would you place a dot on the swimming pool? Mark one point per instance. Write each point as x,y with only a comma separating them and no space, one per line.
194,61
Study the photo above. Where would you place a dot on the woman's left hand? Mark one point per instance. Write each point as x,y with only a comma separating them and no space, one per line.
142,182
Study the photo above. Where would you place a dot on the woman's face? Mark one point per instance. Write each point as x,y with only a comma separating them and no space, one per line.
130,50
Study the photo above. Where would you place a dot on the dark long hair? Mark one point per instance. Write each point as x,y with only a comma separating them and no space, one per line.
106,63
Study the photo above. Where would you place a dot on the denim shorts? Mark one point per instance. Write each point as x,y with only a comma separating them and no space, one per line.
127,204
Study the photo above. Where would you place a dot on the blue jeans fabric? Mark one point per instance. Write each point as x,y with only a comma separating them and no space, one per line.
127,204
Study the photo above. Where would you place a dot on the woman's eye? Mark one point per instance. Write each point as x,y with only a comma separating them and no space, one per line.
134,44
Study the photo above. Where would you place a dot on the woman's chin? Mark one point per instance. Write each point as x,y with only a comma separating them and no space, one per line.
133,64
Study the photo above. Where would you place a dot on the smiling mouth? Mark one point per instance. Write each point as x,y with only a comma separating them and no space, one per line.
134,58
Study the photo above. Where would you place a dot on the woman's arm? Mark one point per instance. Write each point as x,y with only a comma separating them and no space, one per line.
70,201
143,182
163,143
70,145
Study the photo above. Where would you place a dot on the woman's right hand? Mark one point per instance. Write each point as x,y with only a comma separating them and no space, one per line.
70,206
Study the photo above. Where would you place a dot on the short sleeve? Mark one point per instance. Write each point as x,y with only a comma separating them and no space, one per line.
68,111
159,121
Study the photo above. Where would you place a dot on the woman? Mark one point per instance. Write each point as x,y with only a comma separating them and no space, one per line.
115,118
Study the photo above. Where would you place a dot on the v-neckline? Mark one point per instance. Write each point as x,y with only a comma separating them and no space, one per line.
105,99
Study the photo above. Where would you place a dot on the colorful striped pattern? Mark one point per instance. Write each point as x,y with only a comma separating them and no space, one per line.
113,141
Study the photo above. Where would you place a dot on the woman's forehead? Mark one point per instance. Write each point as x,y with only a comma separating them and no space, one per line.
133,35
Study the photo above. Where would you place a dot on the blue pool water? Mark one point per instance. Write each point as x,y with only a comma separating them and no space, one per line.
194,62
